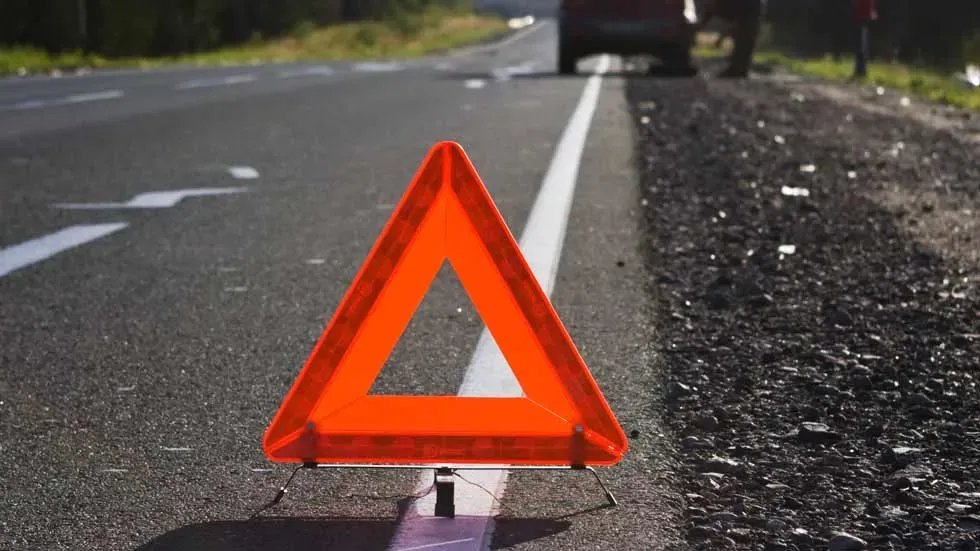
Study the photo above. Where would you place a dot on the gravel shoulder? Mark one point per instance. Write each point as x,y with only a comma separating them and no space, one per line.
815,267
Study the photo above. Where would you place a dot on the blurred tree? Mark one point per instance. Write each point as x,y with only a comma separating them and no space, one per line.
164,27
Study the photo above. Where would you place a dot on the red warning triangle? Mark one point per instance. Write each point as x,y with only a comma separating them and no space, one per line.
328,415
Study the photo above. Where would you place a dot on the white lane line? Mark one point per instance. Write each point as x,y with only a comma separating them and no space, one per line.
153,199
475,83
488,373
376,67
434,545
94,96
32,104
494,45
211,82
27,253
320,70
243,172
68,100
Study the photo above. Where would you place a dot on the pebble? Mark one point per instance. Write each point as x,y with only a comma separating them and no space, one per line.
706,422
727,542
759,301
702,532
675,390
740,534
970,523
695,443
818,433
839,317
776,526
846,542
801,537
725,516
859,369
901,455
921,400
861,382
717,300
722,465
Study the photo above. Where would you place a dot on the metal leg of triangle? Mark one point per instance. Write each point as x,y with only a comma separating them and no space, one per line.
443,482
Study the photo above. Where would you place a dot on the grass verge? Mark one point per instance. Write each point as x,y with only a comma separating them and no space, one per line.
917,81
404,37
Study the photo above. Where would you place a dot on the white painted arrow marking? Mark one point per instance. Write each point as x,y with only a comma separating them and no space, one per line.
154,199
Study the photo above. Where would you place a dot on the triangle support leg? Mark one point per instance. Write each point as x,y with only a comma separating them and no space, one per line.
442,482
445,493
609,496
282,491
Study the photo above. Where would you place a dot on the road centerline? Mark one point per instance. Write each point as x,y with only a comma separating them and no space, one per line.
488,373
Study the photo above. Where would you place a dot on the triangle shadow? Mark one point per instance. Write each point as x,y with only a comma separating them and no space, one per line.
309,534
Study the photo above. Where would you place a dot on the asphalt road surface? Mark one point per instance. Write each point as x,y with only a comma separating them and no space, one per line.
773,281
173,243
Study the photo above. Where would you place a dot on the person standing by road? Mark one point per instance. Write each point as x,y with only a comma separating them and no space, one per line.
745,17
865,13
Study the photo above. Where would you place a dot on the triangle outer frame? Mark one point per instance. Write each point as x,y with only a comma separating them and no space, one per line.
328,416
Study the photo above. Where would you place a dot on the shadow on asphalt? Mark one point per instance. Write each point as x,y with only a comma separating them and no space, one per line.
304,533
297,533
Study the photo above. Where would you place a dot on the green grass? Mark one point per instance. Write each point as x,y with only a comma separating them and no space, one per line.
922,82
32,60
403,37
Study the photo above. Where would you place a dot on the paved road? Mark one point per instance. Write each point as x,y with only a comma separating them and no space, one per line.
145,350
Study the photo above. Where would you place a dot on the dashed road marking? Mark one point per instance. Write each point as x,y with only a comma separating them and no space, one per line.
94,96
27,253
211,82
320,70
376,67
66,100
243,172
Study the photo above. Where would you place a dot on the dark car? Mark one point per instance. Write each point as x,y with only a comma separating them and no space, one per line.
664,29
